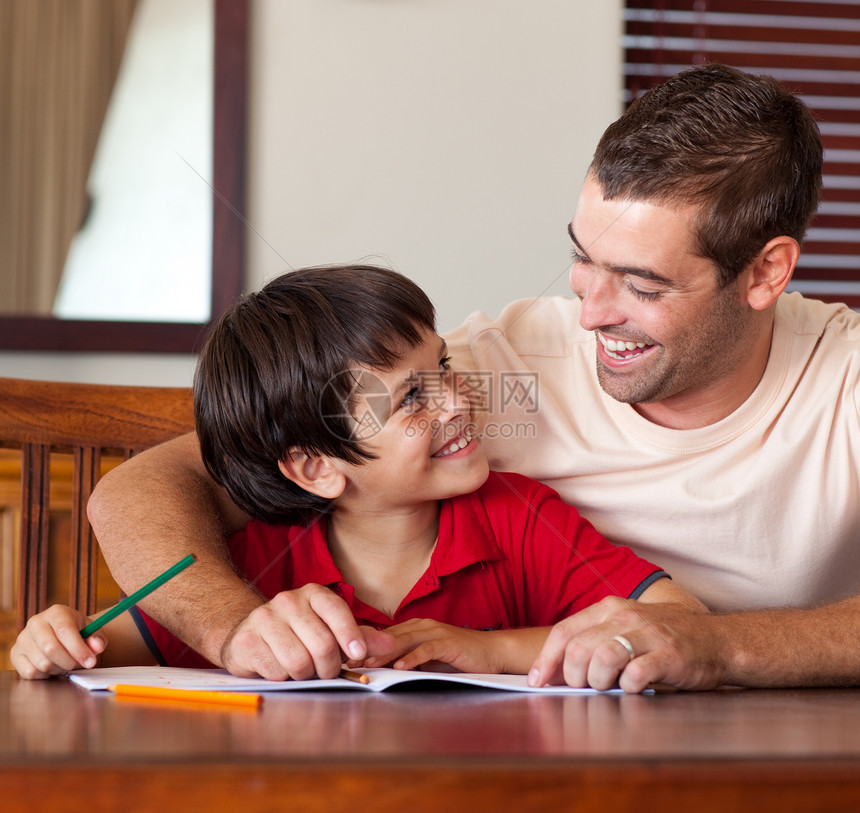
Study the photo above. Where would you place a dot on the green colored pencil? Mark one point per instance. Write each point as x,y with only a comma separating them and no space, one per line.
126,603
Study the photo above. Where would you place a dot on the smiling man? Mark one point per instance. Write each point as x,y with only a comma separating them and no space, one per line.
671,338
685,404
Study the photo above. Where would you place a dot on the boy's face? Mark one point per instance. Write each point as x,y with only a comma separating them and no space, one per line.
421,429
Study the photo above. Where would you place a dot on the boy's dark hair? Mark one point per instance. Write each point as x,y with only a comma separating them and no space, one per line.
744,148
275,374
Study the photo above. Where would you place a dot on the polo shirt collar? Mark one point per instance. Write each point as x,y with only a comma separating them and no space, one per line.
465,539
465,536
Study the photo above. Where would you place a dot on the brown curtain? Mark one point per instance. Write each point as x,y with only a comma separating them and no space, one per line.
58,64
814,47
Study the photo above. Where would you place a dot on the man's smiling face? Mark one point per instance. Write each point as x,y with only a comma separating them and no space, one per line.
667,334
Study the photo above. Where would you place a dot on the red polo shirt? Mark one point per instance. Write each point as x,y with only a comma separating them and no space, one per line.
511,554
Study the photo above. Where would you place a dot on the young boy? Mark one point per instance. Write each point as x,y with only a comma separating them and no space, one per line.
326,407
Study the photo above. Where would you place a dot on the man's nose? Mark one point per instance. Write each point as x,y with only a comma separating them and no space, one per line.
598,293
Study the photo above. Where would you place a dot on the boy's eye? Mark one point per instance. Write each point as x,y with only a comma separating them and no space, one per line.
411,399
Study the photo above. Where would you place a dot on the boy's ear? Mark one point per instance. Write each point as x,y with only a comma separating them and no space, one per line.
314,473
771,271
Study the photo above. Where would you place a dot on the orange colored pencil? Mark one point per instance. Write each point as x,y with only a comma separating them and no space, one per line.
358,677
244,699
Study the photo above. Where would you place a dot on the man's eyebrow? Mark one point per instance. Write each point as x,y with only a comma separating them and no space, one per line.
632,270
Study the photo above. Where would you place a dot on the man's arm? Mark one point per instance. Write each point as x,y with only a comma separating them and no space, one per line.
150,512
759,648
161,505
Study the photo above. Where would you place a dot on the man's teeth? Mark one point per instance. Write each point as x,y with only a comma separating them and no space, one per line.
612,346
454,446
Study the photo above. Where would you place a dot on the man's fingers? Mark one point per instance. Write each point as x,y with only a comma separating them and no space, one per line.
608,660
298,634
247,654
551,664
338,618
642,672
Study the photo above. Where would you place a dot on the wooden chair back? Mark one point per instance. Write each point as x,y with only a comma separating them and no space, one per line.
86,421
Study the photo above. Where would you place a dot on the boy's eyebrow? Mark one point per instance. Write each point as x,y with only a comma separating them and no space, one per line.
404,386
632,270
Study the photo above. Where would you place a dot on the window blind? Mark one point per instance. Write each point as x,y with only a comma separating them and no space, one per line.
813,47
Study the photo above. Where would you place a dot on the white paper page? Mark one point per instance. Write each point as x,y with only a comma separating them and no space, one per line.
221,680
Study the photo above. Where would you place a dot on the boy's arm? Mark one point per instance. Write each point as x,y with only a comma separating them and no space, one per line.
150,512
421,641
51,644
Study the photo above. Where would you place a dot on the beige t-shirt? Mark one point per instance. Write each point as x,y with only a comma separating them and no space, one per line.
760,509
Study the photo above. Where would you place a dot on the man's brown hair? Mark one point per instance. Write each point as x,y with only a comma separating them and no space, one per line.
742,147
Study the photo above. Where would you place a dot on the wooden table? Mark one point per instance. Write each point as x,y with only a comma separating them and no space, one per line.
448,750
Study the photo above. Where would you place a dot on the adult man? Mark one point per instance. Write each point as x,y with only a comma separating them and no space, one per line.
713,432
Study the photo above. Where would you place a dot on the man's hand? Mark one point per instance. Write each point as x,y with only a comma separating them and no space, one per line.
300,634
672,645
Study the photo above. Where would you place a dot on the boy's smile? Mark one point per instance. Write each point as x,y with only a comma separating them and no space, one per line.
427,448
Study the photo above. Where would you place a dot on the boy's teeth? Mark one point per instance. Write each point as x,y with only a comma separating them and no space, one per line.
455,446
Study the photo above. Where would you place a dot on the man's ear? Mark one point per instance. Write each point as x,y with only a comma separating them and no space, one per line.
771,271
314,473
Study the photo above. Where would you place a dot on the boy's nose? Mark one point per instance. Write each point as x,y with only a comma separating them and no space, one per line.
454,398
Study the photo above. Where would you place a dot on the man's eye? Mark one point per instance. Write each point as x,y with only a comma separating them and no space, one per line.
647,296
576,257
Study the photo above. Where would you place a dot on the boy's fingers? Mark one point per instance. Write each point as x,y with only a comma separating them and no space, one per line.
378,643
423,654
27,669
56,639
84,650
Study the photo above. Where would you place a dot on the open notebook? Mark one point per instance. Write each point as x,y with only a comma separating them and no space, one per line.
378,680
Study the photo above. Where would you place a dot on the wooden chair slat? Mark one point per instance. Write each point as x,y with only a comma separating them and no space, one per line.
35,489
83,551
90,422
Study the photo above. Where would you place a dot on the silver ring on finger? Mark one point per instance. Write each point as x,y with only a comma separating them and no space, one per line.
628,647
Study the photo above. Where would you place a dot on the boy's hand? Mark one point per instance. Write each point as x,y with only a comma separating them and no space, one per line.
300,634
51,644
424,642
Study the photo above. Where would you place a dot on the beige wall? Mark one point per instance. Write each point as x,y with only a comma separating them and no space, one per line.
446,138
